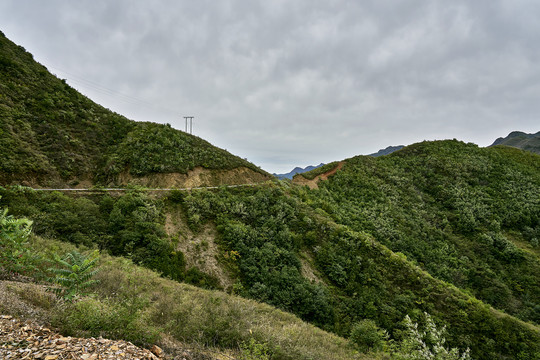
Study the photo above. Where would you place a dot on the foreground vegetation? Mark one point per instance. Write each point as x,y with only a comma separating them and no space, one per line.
138,305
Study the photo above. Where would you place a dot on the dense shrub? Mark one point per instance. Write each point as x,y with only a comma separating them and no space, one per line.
367,336
15,255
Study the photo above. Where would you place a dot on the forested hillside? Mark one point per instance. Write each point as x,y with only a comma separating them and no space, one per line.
51,134
469,216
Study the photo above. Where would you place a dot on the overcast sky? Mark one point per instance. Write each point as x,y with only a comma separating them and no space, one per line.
289,83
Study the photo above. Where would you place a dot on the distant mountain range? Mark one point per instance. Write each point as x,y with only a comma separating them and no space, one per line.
297,170
521,140
388,150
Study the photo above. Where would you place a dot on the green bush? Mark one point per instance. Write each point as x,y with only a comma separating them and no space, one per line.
94,317
367,336
253,350
15,254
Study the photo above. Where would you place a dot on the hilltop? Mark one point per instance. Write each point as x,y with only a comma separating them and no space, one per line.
52,135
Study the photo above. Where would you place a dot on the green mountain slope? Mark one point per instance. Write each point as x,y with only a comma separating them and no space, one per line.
521,140
469,216
50,134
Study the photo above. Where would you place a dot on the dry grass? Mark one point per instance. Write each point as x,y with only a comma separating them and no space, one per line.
27,301
215,319
136,304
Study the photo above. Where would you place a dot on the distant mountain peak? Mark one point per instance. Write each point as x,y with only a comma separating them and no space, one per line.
388,150
520,140
297,170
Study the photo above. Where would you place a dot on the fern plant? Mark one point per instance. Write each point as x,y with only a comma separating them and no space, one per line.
74,274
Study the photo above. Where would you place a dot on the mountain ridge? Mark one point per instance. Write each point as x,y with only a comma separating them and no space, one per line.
297,170
520,140
387,151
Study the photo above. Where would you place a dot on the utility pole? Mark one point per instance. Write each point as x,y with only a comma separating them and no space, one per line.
190,123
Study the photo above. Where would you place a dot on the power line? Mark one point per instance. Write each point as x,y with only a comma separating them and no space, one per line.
110,92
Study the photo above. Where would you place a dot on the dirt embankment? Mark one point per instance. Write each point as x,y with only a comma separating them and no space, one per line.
199,248
198,177
312,184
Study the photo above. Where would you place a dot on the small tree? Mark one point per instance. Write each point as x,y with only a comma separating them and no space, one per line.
426,345
74,273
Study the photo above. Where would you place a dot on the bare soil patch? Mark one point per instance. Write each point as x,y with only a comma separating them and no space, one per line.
313,184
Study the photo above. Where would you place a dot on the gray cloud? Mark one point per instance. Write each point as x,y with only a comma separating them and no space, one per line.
296,83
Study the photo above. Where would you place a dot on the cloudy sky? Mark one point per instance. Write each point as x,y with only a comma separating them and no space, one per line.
289,83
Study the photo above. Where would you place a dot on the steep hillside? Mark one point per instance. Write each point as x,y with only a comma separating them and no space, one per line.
52,135
521,140
137,305
469,216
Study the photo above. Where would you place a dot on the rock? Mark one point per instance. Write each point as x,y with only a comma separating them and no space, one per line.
19,340
157,351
